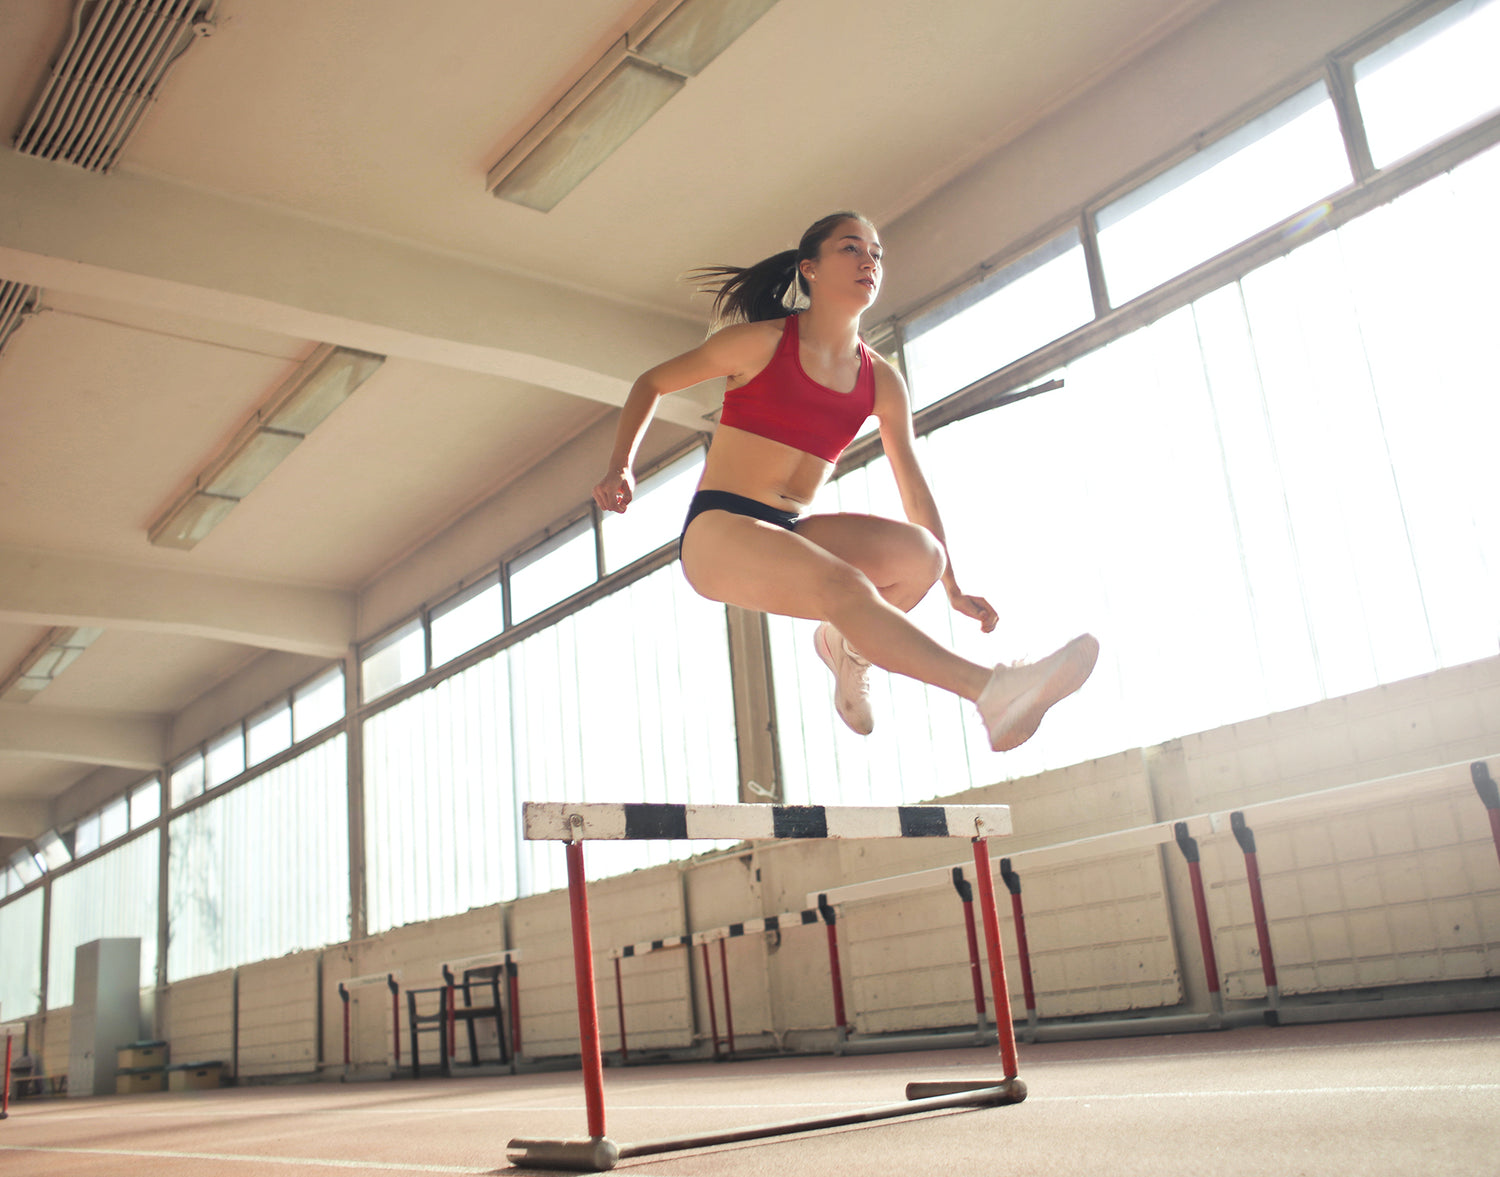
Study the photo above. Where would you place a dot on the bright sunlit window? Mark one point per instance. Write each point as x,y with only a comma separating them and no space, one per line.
1430,81
1016,310
318,704
145,803
553,571
268,732
655,515
52,850
1286,160
467,619
225,758
394,660
114,820
187,779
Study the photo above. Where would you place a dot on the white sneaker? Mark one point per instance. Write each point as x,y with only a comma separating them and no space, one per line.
1016,697
851,674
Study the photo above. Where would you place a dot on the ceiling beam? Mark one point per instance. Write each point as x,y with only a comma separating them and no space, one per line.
39,587
149,242
51,733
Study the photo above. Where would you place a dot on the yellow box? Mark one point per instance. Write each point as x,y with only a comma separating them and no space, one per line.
137,1082
141,1056
195,1076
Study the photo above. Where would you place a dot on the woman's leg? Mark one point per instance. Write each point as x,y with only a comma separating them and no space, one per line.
759,566
903,561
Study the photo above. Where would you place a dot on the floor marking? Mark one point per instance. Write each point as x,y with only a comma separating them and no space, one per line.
232,1158
1389,1089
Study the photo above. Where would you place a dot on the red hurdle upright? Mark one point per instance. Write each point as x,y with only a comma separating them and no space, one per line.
576,823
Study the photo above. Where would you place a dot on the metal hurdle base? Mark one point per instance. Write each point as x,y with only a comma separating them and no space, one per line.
598,1154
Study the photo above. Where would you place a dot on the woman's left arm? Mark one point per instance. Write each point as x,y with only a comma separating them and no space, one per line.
893,410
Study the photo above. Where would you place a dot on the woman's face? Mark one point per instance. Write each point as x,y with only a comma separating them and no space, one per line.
848,266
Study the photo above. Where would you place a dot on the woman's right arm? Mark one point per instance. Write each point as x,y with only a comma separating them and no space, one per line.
741,350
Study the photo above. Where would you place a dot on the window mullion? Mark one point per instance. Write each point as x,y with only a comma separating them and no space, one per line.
1339,74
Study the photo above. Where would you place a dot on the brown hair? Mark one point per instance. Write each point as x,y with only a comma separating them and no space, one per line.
750,294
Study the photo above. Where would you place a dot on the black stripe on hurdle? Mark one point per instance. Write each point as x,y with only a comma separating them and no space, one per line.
799,821
736,929
773,923
923,821
652,819
628,950
810,916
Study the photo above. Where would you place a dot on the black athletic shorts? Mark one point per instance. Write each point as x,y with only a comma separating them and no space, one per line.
723,500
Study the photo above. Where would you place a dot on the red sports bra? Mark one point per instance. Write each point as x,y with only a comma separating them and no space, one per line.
783,403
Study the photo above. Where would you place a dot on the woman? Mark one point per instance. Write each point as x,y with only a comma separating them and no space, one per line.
800,383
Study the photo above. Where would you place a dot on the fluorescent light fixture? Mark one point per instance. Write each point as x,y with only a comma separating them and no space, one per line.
319,385
58,649
691,35
614,98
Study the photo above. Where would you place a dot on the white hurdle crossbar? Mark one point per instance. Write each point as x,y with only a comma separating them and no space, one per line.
574,824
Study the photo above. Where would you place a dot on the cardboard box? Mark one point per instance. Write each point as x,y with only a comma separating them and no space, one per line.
195,1076
141,1056
137,1081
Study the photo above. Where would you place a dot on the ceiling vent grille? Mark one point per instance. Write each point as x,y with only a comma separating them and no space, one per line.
108,74
16,302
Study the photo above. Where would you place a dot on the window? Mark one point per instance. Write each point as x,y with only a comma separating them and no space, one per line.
114,820
398,658
655,515
25,867
1431,81
86,838
1286,160
187,779
114,894
268,732
225,758
52,852
1019,308
263,869
21,962
318,704
145,803
468,619
553,571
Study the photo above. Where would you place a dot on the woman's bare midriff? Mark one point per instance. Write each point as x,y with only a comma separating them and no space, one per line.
767,471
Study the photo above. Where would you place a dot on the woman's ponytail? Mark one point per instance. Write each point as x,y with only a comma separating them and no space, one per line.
750,294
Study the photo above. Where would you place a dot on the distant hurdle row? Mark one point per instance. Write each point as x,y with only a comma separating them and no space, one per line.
1185,835
822,914
722,935
573,824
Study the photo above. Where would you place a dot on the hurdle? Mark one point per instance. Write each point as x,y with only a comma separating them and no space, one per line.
574,824
9,1032
770,923
391,982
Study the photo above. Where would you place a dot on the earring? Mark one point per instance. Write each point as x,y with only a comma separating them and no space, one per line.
794,298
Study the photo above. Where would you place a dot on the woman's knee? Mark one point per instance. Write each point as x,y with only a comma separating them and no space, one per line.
841,586
922,558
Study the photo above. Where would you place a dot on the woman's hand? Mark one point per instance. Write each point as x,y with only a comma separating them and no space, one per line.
615,490
976,607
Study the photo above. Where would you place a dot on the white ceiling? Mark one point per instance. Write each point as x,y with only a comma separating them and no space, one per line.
315,170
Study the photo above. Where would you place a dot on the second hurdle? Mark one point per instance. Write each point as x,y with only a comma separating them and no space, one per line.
576,823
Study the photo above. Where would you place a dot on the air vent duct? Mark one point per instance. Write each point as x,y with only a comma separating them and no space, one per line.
108,74
16,302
